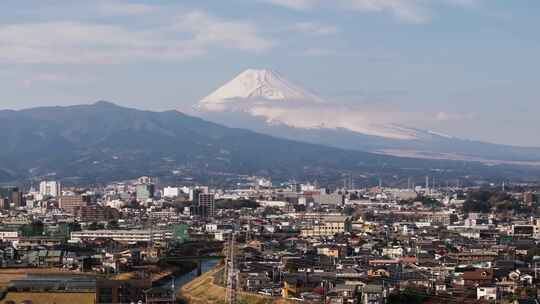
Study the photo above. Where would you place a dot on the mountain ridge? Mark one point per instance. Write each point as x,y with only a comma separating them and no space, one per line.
103,142
345,128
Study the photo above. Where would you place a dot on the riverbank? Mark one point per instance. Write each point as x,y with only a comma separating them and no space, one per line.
204,289
157,274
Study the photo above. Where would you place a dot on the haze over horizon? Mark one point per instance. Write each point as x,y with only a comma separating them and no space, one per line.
461,67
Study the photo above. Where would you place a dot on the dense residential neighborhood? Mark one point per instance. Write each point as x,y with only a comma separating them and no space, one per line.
132,241
269,152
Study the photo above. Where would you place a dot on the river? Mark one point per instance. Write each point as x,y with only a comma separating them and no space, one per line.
181,280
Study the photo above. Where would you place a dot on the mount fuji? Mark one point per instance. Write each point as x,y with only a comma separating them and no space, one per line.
267,95
265,101
257,85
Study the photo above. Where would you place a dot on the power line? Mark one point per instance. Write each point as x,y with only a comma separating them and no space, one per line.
231,273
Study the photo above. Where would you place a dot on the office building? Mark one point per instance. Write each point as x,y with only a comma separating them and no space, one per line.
529,197
328,226
72,203
94,213
171,192
17,199
194,195
50,189
11,196
123,236
194,192
205,205
146,180
145,192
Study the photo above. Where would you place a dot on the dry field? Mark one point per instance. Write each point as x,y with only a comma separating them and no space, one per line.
203,290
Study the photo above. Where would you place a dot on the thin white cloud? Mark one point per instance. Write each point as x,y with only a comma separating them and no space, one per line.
208,30
362,120
293,4
446,116
463,3
318,52
55,79
125,8
71,42
373,119
314,28
377,120
408,11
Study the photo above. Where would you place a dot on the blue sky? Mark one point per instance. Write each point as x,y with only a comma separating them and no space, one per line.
468,68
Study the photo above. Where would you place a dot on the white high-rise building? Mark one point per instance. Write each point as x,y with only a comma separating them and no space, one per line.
50,188
263,182
193,192
171,192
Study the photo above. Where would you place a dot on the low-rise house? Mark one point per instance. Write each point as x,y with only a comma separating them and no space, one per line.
373,294
478,277
489,293
343,294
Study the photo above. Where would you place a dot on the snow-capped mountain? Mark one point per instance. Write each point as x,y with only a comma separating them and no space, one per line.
267,95
257,85
266,102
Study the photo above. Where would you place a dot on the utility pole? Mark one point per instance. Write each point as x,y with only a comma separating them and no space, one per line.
248,237
173,291
231,274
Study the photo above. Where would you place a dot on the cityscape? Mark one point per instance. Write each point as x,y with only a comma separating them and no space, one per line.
140,240
269,152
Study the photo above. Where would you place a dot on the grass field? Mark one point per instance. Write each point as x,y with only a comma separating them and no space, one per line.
203,290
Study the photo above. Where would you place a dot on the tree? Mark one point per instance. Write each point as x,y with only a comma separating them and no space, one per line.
430,202
476,206
95,226
409,296
113,225
65,229
484,201
300,208
74,227
34,229
349,211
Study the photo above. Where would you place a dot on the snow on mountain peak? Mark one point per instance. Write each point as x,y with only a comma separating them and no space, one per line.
266,94
253,84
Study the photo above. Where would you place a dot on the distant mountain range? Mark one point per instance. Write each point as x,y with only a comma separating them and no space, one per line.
266,102
104,142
